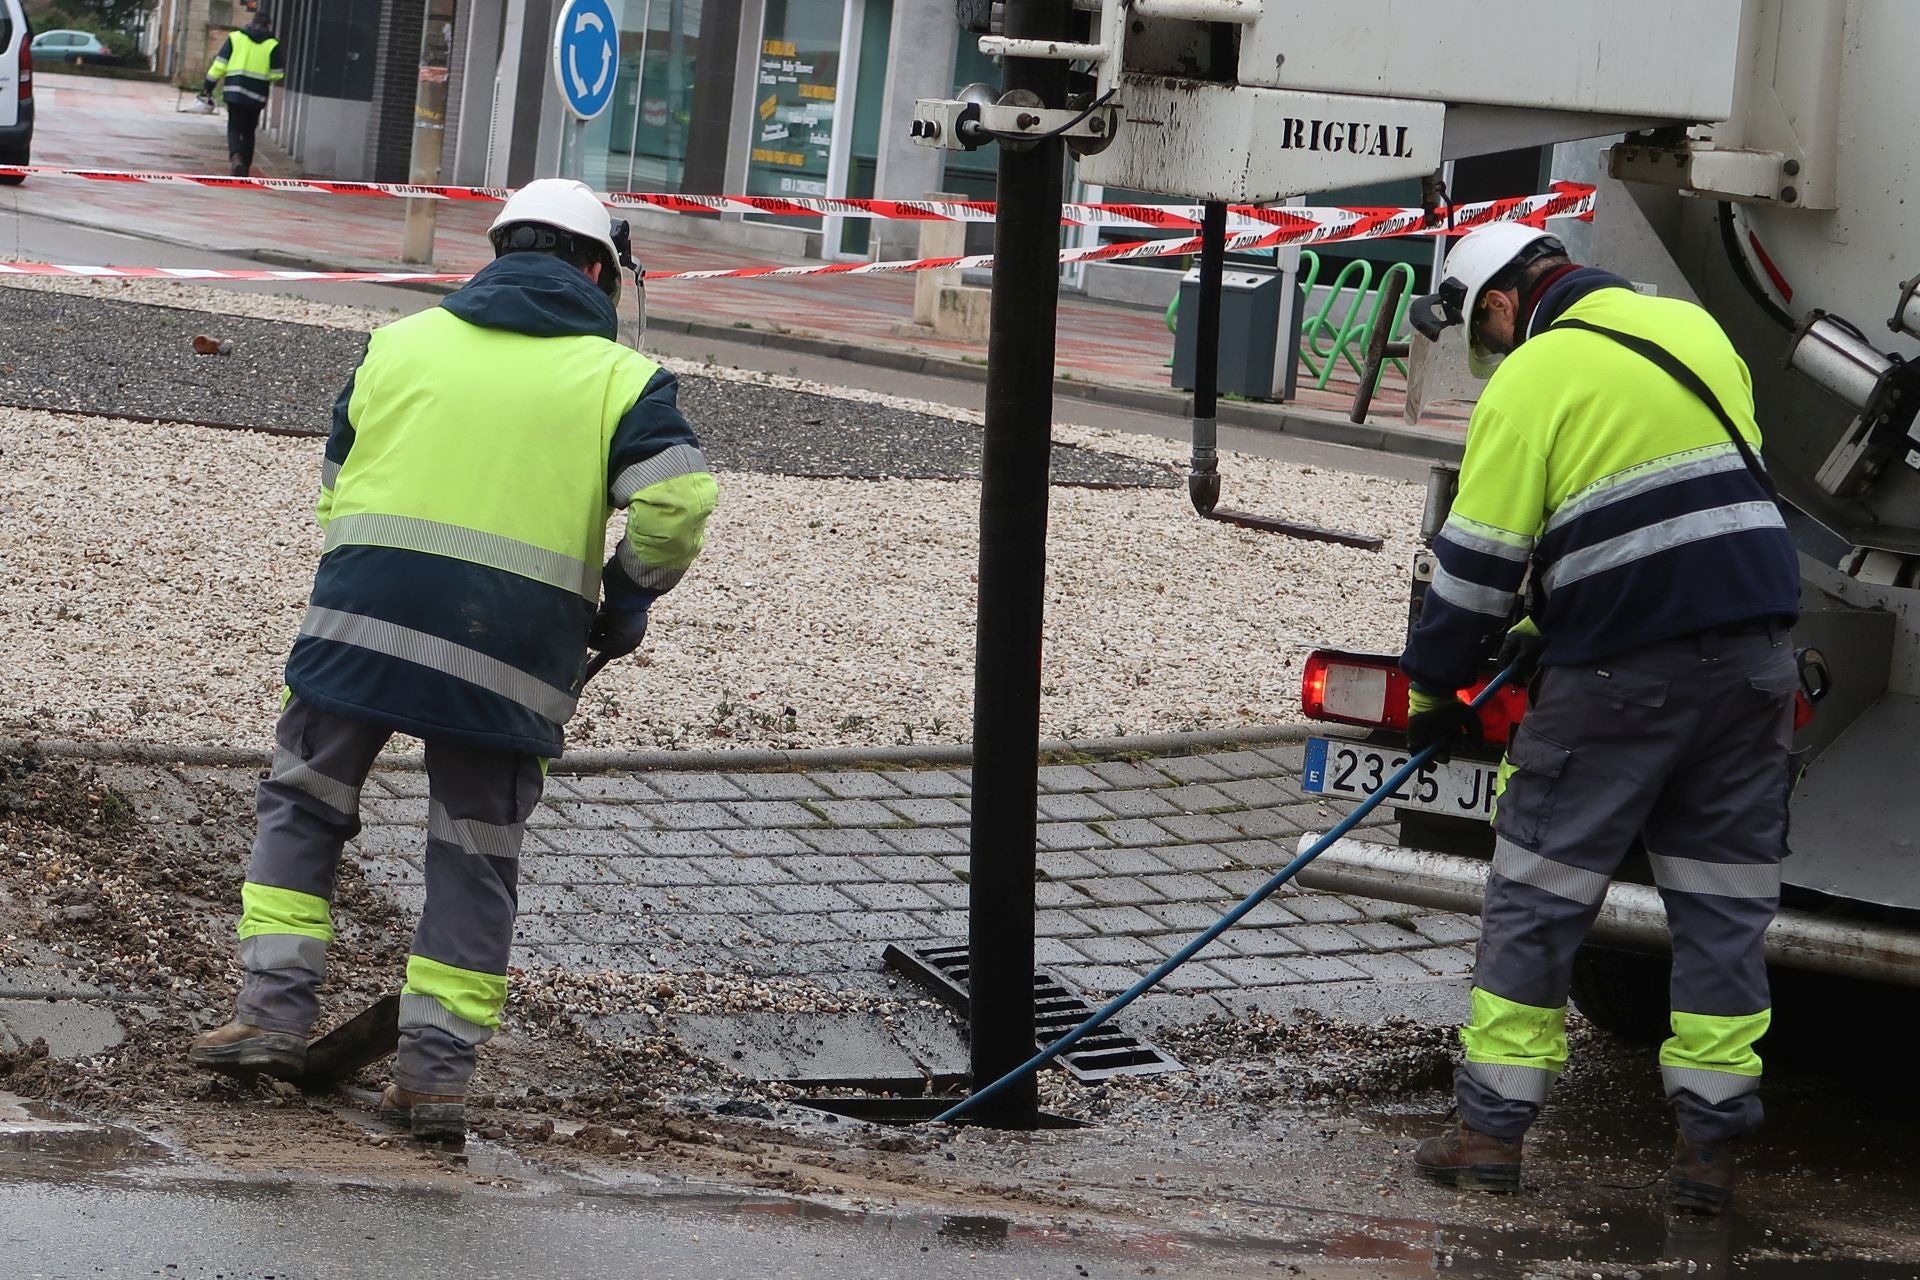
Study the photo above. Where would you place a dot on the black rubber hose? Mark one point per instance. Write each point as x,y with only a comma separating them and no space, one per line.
1743,271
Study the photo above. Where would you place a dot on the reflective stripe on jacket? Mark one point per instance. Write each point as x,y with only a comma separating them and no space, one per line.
1617,484
249,66
476,456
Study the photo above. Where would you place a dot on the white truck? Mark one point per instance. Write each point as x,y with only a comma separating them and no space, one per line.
1753,155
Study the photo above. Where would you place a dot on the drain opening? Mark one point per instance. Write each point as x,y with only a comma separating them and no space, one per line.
1105,1052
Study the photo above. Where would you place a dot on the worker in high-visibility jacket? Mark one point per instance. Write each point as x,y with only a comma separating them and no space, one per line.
476,456
1614,453
250,62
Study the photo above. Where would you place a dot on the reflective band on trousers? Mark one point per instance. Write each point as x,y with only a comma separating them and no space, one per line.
408,533
290,770
1522,1084
425,1011
1456,590
1645,478
1716,879
484,839
1664,535
1575,884
675,460
267,951
1709,1086
646,575
444,656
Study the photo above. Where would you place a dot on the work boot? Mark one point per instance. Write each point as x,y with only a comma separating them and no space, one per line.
239,1049
431,1117
1702,1176
1475,1161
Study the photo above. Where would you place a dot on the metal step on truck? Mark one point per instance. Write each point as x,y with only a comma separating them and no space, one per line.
1788,211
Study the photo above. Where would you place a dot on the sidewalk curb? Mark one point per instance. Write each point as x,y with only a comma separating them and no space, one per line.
706,760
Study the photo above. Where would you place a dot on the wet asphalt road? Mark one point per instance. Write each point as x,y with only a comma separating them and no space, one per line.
236,1231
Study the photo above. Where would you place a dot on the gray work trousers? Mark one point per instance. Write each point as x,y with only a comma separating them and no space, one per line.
1684,744
309,807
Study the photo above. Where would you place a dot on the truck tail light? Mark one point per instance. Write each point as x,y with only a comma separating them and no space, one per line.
1370,689
26,70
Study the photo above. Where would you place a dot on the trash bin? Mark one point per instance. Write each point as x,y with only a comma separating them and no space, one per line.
1249,334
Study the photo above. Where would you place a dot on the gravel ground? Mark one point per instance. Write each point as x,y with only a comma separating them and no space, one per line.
101,354
154,599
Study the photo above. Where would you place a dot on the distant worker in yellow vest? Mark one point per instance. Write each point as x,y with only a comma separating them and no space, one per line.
476,456
250,61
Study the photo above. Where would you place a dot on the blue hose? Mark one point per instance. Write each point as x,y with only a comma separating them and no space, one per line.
1215,929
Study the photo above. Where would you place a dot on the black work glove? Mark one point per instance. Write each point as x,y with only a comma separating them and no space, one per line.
617,632
1521,650
621,622
1440,719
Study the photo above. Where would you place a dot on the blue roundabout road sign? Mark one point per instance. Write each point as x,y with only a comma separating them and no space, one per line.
586,56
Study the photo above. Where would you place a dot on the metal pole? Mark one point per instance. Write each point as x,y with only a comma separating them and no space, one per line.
429,128
1203,470
1013,554
1384,312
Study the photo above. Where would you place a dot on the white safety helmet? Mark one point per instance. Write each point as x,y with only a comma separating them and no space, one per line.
1482,257
558,213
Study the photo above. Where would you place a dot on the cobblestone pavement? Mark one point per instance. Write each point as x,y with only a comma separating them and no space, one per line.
810,874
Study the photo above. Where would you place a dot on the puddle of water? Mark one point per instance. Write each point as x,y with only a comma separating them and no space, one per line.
42,1142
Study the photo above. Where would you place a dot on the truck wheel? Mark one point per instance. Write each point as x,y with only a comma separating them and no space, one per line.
1623,993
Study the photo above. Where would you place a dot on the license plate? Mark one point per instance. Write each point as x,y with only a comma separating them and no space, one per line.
1354,771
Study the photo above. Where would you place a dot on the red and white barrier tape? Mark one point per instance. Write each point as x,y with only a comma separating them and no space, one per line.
1568,200
1152,217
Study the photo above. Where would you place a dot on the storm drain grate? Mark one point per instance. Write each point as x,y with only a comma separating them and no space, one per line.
1057,1009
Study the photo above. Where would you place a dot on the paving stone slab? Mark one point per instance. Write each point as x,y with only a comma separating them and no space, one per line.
778,786
924,840
763,842
679,844
1199,797
1072,806
904,868
1137,804
1126,773
930,811
1192,769
774,813
1065,864
1201,827
696,786
892,897
660,872
827,868
859,785
1128,862
927,782
695,815
1069,777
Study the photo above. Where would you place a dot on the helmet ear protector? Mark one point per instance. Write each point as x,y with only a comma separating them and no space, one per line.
1445,307
1435,313
537,237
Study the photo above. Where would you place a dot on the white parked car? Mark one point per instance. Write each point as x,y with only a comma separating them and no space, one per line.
16,89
